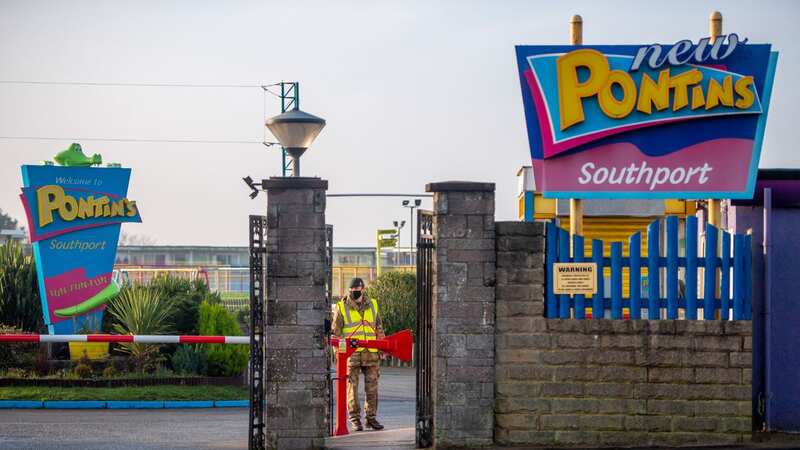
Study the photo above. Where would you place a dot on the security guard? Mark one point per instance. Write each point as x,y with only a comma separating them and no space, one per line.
357,317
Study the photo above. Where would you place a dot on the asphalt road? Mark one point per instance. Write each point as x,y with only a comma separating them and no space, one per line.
170,429
124,429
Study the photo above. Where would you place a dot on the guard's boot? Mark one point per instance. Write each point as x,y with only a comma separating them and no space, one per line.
357,425
374,424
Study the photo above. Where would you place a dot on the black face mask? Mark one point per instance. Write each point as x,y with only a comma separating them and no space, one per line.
356,295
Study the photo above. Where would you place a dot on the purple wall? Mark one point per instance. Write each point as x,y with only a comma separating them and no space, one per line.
779,332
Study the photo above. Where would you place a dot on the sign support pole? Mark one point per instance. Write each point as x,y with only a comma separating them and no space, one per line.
714,207
575,204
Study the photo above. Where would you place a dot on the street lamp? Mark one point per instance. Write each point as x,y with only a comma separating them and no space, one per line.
407,204
295,130
399,226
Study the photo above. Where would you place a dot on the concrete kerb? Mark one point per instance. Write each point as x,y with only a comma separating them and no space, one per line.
121,404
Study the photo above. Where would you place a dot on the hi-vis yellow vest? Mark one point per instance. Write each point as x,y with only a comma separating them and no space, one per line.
358,327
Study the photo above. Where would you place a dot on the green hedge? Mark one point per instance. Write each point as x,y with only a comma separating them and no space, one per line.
223,360
396,293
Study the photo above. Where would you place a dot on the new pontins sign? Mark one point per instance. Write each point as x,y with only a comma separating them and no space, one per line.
647,121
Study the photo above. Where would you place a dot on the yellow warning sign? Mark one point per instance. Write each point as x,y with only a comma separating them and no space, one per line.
575,278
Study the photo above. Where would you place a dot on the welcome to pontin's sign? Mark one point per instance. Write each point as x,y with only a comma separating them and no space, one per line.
650,121
74,216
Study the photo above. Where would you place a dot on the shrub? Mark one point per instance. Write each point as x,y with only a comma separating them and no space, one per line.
41,364
140,310
16,372
22,355
19,292
243,317
396,293
223,360
190,360
83,370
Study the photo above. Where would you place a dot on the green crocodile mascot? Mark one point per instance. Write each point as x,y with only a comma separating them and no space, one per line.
74,157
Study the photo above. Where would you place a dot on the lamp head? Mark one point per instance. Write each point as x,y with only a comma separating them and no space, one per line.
295,129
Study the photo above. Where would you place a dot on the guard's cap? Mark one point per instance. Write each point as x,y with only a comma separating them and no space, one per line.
356,282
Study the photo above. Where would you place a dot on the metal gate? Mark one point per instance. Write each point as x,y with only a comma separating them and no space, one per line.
329,300
424,329
258,251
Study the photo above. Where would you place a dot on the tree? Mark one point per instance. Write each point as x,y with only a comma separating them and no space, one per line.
396,293
7,222
135,239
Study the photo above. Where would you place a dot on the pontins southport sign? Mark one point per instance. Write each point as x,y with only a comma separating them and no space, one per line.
74,216
647,121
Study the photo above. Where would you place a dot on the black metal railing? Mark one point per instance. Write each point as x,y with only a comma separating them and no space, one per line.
329,355
424,329
256,438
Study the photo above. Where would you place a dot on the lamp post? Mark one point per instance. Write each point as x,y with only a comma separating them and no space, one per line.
296,131
407,204
399,226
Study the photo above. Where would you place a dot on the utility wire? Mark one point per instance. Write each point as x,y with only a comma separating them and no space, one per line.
178,141
88,83
265,88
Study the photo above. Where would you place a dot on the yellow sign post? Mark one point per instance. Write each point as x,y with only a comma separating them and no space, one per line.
575,278
384,239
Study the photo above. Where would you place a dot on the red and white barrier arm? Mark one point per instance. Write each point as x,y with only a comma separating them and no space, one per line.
142,339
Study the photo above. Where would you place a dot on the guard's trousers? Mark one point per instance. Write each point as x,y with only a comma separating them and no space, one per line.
371,374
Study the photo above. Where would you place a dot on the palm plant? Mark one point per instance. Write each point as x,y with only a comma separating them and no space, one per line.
139,310
20,305
185,296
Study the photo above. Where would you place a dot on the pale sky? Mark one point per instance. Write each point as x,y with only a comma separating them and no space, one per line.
413,92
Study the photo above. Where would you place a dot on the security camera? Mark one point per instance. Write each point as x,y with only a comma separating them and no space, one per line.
249,182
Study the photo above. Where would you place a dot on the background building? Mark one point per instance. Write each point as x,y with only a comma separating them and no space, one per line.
225,269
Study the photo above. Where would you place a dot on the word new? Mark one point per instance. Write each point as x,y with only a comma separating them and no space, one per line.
52,198
681,52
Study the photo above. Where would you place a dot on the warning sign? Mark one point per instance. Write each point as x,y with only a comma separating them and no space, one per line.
575,278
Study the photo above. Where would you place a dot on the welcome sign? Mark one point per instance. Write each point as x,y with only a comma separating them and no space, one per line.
74,216
647,121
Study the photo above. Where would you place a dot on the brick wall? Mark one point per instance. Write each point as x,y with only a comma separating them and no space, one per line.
463,310
604,382
296,387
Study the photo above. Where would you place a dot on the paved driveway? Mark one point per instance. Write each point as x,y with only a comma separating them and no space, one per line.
124,429
169,429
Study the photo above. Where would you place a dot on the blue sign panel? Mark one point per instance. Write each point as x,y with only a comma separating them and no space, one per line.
74,216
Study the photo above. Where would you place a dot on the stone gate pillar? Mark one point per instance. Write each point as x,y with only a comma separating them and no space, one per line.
464,312
296,388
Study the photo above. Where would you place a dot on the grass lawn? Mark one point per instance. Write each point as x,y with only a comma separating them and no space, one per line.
125,393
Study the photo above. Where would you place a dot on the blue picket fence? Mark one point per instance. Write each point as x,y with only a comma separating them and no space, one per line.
734,265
